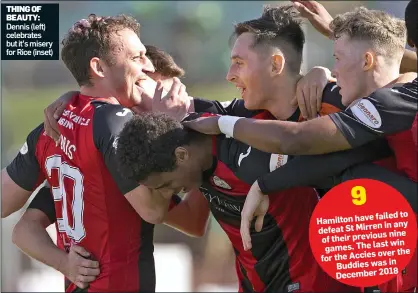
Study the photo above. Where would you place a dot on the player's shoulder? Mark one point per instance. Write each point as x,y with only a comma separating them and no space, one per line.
111,113
397,94
110,116
241,111
331,96
32,140
108,110
407,90
36,134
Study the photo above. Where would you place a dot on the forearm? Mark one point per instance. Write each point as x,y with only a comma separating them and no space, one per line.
317,136
150,205
409,62
13,197
191,215
314,170
35,241
270,136
406,187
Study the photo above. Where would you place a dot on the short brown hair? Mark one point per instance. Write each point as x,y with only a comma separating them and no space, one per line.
280,27
386,33
163,62
92,37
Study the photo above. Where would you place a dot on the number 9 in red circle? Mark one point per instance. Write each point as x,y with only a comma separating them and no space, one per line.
363,233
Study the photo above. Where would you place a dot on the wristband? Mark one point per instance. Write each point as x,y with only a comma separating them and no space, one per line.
227,123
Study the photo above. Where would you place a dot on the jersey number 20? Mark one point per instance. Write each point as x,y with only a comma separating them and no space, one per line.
77,231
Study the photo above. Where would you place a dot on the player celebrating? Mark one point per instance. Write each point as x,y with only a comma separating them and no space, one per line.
378,44
89,193
385,38
178,159
29,233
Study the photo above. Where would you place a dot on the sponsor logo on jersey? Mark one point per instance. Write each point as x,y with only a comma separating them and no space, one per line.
220,183
242,156
220,203
334,87
367,113
24,149
277,160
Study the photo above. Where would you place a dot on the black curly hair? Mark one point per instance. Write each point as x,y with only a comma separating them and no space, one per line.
147,143
278,27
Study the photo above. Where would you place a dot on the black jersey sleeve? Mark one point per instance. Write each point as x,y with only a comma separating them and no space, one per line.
403,184
108,121
24,170
319,170
331,97
384,112
232,108
44,202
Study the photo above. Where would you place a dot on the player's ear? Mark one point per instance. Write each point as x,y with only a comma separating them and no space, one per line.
182,155
369,61
277,64
96,66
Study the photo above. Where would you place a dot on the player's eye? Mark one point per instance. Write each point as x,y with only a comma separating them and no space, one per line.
138,58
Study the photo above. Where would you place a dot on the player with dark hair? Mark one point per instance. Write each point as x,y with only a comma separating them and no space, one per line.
29,233
164,64
386,112
89,193
261,85
157,151
266,81
336,131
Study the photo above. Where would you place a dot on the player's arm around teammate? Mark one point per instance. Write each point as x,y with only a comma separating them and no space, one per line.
395,111
191,215
308,98
30,235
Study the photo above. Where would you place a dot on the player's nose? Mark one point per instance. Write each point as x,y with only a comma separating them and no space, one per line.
148,66
230,75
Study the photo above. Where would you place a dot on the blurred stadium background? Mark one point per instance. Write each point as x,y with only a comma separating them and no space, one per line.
196,34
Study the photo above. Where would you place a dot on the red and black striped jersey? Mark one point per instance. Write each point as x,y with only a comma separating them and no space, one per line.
280,259
88,193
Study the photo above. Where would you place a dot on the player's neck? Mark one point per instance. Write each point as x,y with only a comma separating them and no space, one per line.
94,92
205,146
380,78
283,93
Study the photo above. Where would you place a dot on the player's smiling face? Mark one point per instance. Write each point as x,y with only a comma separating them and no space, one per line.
129,67
349,69
249,72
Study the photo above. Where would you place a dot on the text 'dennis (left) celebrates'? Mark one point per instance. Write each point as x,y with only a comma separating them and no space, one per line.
30,31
